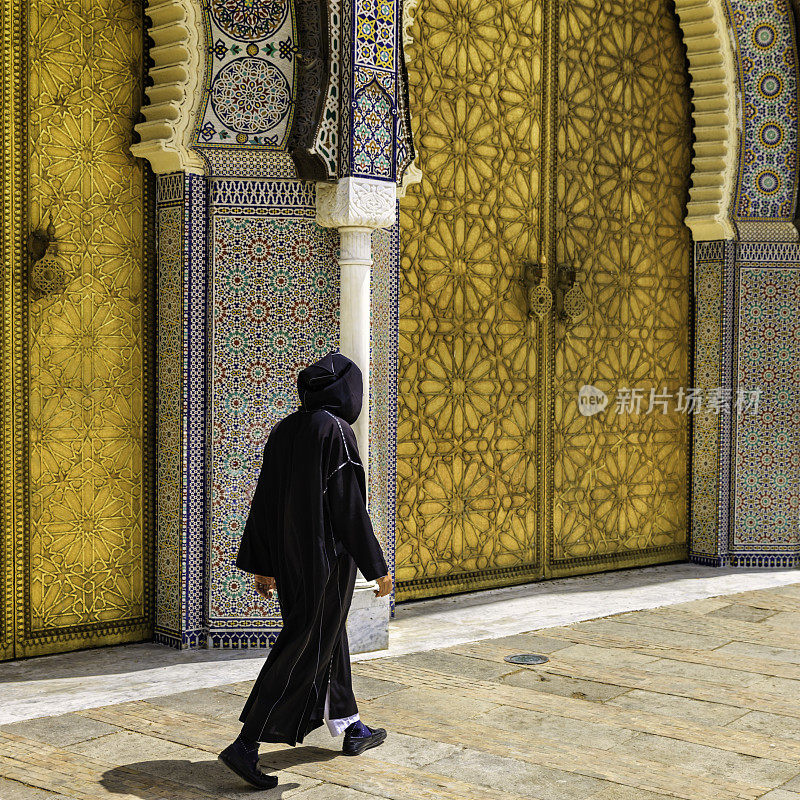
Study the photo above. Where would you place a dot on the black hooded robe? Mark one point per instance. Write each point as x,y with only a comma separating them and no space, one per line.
308,528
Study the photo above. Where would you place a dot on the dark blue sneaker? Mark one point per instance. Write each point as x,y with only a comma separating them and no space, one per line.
358,738
244,762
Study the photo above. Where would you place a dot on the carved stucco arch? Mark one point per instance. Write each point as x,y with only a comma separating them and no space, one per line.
713,83
177,73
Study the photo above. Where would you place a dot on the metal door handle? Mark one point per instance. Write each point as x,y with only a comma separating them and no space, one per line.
570,300
46,272
538,294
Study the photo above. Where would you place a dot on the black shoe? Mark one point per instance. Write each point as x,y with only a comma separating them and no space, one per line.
355,745
245,764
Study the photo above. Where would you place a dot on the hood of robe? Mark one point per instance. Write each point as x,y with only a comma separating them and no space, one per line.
334,384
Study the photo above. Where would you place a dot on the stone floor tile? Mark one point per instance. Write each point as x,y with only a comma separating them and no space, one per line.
330,791
701,711
13,790
367,688
786,620
793,785
126,746
791,589
708,760
603,656
750,650
741,612
451,664
614,791
200,770
776,725
704,605
240,688
783,687
526,643
562,685
212,703
780,794
515,777
703,672
410,751
430,703
561,729
61,730
647,636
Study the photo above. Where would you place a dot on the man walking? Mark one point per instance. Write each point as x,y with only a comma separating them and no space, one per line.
307,531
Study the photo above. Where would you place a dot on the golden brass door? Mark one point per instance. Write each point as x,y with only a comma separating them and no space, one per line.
623,153
77,389
558,133
468,346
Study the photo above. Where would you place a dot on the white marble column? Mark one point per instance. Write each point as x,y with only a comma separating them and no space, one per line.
355,263
356,207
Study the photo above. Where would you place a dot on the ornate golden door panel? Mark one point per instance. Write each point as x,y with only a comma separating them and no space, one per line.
558,133
77,392
619,491
468,346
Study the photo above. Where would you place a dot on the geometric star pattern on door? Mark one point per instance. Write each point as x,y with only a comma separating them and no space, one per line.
87,546
623,160
467,358
468,435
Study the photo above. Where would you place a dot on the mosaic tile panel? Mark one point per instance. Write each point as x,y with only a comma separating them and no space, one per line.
767,452
369,67
383,377
275,306
376,24
373,133
746,467
250,79
767,65
181,419
195,378
706,428
168,417
346,83
383,389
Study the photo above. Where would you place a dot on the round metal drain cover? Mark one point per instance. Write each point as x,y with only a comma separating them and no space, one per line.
526,658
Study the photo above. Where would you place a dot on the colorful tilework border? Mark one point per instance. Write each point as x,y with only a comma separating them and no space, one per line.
747,466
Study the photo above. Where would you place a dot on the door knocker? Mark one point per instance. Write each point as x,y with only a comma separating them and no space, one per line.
538,294
570,300
46,272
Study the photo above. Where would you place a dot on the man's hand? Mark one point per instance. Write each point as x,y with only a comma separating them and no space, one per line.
384,586
264,586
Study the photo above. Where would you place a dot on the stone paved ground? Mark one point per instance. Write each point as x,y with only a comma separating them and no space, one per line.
698,701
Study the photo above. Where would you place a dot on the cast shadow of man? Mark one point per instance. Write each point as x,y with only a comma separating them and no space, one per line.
181,779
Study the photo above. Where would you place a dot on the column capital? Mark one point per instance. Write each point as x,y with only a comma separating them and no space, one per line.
356,203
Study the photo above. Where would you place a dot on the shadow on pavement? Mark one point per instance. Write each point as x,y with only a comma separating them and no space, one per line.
294,756
181,779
